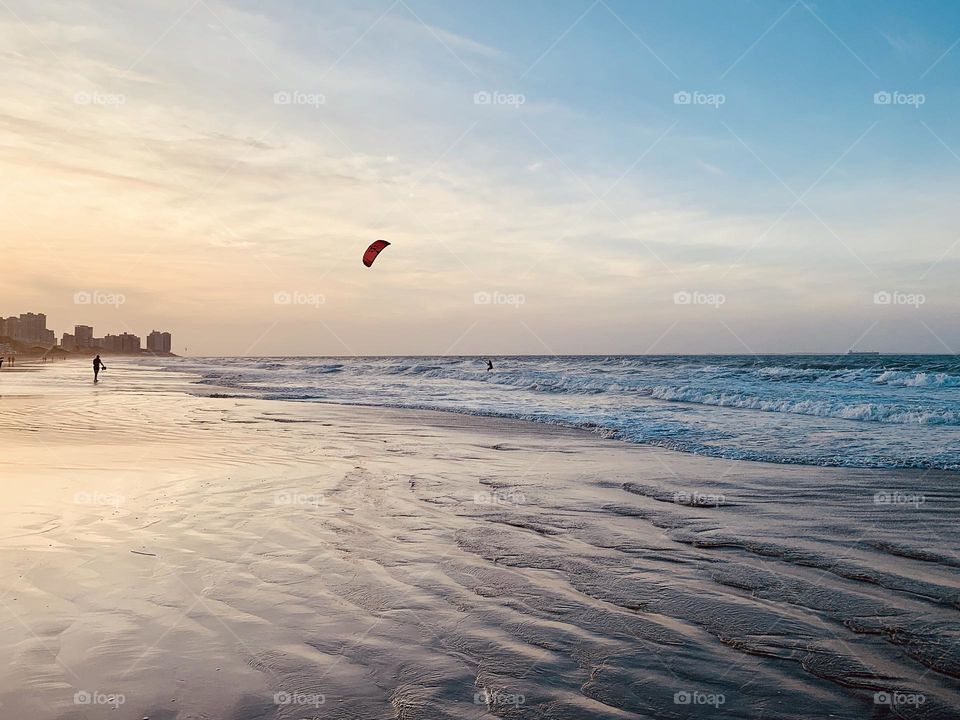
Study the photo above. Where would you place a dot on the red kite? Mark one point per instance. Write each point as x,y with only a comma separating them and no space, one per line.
371,254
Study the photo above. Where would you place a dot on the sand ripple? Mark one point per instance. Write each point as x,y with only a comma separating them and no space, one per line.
241,559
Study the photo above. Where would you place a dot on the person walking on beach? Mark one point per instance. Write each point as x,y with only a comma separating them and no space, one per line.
97,367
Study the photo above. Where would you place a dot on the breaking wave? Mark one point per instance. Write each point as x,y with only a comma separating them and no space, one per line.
858,411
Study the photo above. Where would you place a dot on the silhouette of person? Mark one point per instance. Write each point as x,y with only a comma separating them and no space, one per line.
1,362
489,365
97,367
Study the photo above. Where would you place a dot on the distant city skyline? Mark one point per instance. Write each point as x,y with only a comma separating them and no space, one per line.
564,177
30,328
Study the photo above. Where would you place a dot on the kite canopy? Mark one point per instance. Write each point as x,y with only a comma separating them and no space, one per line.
371,254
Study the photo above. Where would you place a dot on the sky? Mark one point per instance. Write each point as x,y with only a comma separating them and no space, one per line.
608,176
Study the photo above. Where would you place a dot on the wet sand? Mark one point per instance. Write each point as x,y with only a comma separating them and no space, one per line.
172,557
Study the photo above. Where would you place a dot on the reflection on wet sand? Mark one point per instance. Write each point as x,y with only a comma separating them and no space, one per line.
168,556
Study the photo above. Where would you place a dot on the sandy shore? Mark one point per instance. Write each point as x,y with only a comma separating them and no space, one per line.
172,556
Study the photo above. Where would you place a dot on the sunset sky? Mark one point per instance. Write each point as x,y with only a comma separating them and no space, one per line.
205,161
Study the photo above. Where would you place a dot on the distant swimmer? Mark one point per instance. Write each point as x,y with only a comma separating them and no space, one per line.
97,367
489,366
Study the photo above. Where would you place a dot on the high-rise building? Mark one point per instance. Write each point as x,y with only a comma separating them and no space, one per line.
123,343
83,335
33,327
11,328
158,341
129,343
29,328
68,342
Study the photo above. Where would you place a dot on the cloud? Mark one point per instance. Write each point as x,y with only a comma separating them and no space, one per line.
207,195
459,43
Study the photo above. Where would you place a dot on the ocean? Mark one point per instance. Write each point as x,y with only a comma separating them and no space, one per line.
869,411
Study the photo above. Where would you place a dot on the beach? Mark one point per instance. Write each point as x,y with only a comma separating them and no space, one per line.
171,556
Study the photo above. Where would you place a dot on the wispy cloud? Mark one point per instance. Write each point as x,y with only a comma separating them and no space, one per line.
192,155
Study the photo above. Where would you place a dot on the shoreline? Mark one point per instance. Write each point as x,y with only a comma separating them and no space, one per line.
243,559
790,411
444,418
228,392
